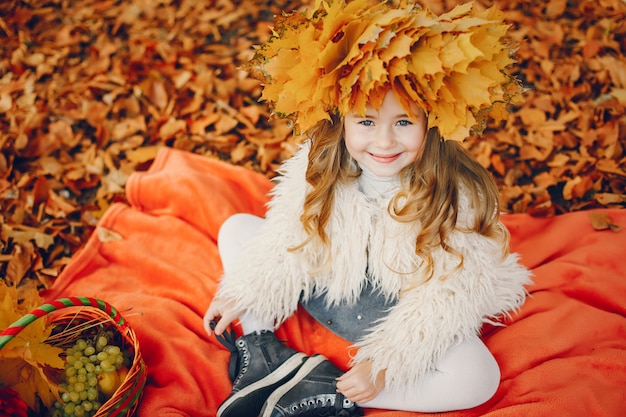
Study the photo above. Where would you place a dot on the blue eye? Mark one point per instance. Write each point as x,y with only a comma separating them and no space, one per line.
366,122
404,122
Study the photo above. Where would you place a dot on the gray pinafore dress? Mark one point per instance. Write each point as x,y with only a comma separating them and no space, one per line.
353,322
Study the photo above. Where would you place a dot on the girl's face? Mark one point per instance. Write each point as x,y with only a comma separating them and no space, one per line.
386,140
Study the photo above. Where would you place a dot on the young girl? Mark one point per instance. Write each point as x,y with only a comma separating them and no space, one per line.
381,225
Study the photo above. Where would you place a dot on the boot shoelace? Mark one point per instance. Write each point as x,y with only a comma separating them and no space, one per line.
228,339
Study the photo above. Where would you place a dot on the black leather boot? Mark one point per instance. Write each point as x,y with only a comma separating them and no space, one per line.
311,392
259,363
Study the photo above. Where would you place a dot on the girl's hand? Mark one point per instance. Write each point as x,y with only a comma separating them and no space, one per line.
224,312
357,385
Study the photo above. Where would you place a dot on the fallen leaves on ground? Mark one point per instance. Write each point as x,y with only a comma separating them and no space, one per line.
90,90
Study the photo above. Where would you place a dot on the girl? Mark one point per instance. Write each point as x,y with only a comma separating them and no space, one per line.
380,227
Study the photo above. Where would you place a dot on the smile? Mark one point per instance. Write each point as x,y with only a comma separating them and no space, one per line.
385,159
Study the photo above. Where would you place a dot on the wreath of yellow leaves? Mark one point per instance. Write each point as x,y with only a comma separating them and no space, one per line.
343,55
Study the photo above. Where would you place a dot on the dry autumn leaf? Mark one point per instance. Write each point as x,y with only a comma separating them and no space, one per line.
601,221
86,101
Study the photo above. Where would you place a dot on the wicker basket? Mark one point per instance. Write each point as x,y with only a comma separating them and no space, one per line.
126,398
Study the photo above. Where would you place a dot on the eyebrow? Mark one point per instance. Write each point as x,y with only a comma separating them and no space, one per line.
399,116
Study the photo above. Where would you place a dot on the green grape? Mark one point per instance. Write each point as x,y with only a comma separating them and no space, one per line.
78,364
72,380
102,356
93,358
65,397
79,387
70,370
101,343
83,395
79,411
90,350
106,365
80,344
74,397
87,405
69,408
92,381
90,367
70,360
112,350
82,371
92,394
119,361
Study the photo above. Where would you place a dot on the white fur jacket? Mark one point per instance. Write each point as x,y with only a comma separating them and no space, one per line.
427,318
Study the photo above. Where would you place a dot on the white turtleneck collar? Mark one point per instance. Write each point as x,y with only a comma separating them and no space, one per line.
377,187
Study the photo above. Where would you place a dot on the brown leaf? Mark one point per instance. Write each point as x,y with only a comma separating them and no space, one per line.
128,127
171,127
591,49
22,258
610,166
600,220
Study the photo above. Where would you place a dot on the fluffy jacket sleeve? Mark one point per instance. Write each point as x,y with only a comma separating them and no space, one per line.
430,317
267,268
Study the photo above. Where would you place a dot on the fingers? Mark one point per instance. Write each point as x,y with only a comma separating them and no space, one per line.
357,385
358,394
221,325
209,317
218,317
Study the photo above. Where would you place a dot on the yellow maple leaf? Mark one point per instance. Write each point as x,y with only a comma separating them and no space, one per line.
472,87
399,46
426,61
24,359
499,112
453,56
457,12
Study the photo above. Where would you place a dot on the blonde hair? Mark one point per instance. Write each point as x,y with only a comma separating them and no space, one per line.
431,189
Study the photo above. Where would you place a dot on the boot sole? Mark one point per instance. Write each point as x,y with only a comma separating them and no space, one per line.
284,371
304,370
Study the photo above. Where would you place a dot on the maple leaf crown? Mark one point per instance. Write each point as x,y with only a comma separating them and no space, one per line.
343,55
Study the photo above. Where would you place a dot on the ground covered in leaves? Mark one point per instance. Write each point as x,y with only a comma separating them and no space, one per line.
90,89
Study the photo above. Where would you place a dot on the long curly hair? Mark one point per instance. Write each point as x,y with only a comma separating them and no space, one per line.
430,191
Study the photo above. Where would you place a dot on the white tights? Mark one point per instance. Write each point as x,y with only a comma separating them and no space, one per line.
466,376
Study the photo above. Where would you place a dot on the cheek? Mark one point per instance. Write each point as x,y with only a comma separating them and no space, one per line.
353,142
415,142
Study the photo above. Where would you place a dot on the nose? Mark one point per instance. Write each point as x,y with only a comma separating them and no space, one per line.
385,138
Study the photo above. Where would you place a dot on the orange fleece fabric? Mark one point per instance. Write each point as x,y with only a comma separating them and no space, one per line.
562,354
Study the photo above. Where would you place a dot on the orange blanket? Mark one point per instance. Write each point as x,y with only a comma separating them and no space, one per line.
564,354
